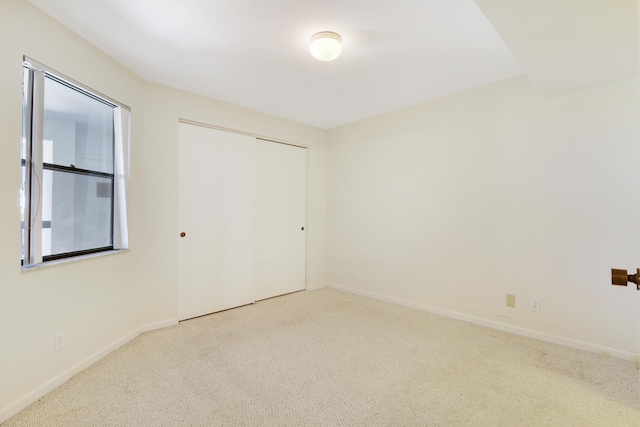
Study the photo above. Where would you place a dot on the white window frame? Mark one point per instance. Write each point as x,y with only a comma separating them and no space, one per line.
33,122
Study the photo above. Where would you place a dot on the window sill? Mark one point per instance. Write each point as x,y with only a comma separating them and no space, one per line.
70,260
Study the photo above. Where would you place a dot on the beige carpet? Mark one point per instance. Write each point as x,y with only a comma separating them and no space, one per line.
328,358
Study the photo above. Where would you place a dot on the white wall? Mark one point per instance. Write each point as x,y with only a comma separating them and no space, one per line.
94,301
103,302
452,204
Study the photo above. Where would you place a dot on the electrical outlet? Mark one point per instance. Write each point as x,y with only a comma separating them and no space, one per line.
535,305
60,340
511,300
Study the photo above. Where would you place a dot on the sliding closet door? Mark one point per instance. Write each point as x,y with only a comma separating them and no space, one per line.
217,214
280,213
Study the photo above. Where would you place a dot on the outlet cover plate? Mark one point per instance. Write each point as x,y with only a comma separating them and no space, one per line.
535,305
60,338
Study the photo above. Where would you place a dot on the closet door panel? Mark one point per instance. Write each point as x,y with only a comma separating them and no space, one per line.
280,215
217,214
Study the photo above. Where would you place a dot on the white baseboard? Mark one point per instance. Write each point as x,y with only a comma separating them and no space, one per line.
530,333
19,404
315,286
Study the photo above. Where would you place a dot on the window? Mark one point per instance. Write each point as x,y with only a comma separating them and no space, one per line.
74,168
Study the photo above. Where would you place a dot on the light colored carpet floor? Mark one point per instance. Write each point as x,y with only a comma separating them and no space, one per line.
328,358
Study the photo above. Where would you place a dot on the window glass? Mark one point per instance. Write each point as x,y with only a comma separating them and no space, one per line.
80,126
80,209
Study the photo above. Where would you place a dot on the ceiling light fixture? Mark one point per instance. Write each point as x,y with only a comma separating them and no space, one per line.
326,45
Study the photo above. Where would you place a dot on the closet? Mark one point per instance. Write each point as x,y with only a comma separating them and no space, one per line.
241,218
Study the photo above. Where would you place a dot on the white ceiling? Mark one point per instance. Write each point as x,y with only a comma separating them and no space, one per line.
254,53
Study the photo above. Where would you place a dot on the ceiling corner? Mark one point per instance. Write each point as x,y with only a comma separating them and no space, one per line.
566,45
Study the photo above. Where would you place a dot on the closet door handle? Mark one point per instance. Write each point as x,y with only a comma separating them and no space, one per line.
183,234
302,228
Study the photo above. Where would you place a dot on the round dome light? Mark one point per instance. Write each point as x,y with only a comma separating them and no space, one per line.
326,46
